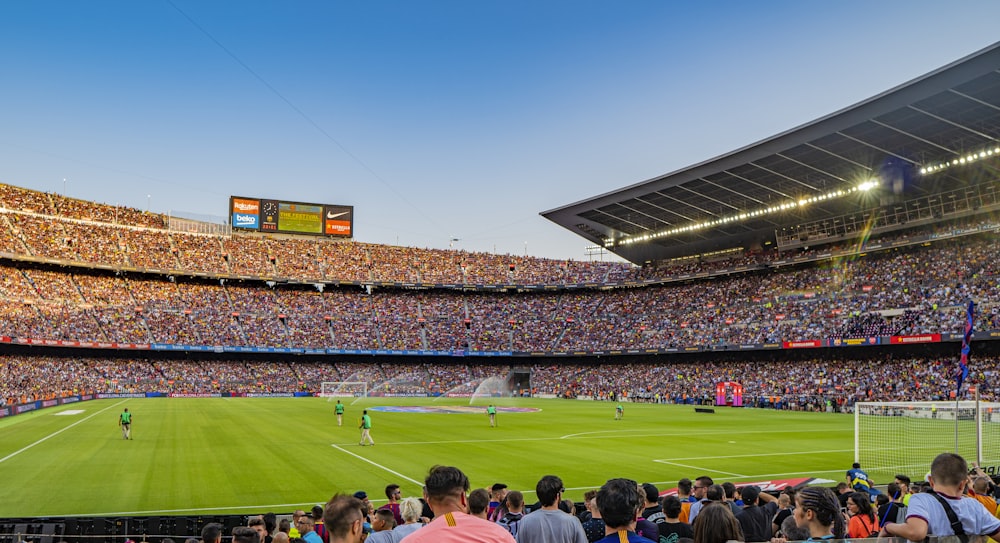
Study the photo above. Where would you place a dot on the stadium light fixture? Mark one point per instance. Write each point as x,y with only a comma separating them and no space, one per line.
963,160
749,214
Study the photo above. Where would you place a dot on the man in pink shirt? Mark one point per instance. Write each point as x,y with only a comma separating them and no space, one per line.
445,490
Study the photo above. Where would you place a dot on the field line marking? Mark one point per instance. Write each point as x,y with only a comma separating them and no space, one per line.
57,432
698,434
700,468
670,460
376,464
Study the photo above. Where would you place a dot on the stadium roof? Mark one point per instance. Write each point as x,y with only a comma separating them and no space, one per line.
910,141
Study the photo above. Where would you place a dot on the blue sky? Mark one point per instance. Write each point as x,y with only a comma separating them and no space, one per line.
435,119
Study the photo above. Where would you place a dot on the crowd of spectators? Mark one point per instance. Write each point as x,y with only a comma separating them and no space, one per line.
923,290
811,384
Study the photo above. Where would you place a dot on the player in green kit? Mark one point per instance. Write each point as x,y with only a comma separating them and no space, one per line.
125,421
366,427
492,412
619,412
339,410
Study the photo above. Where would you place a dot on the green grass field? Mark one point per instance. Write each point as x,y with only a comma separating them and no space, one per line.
246,455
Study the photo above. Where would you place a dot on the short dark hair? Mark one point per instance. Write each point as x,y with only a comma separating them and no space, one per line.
390,490
730,489
386,516
949,469
497,486
270,521
893,490
445,481
317,513
515,499
245,534
652,493
548,489
619,501
479,500
855,466
684,486
671,506
340,513
903,478
211,532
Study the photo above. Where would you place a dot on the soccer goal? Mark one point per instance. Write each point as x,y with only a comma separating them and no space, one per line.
904,437
343,389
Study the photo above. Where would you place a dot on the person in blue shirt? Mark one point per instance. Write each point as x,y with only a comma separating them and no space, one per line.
860,482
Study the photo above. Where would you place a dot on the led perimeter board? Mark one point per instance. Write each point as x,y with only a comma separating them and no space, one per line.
281,217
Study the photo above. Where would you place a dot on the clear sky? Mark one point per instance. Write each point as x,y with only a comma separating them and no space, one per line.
434,119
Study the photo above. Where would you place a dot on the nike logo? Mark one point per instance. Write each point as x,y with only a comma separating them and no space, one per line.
331,215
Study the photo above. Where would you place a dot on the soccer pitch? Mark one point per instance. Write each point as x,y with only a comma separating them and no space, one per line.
253,455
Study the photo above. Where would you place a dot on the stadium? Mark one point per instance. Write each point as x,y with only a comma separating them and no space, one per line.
767,294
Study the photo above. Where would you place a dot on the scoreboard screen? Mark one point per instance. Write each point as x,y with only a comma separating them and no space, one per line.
279,216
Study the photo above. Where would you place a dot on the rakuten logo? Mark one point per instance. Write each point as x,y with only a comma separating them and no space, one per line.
246,206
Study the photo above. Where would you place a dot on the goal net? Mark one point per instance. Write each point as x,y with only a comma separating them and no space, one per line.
343,389
904,437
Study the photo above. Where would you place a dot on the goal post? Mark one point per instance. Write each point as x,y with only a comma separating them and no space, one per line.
343,389
904,437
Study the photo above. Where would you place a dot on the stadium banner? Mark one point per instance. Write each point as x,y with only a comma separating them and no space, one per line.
269,395
771,346
773,485
26,407
4,339
853,342
194,395
286,217
81,344
805,344
922,338
4,412
750,347
112,395
244,213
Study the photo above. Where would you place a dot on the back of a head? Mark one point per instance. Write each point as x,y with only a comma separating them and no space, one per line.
730,490
824,505
855,465
672,507
705,481
410,509
211,532
750,494
387,518
893,491
715,493
245,534
981,485
716,523
949,469
317,513
652,494
515,500
567,506
548,490
619,502
444,482
684,486
340,513
479,500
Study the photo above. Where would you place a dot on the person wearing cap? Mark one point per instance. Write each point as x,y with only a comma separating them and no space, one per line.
366,506
758,510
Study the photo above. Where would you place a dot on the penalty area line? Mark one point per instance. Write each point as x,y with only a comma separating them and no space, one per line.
377,465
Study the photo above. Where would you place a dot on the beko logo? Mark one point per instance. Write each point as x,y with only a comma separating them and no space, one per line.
242,219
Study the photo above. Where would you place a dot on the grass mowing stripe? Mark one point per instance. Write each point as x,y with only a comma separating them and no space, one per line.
376,464
54,434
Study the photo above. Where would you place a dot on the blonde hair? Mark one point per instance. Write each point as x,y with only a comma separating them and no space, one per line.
411,509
